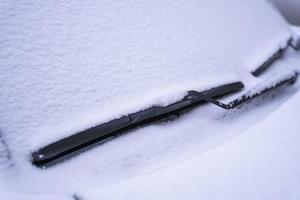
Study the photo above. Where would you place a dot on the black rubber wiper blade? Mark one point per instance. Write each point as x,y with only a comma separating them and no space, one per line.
82,141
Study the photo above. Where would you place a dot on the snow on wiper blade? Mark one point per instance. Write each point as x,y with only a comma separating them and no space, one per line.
82,141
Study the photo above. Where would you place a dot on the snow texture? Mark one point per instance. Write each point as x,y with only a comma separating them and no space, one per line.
68,65
272,82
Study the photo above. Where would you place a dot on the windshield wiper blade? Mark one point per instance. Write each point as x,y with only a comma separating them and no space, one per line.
82,141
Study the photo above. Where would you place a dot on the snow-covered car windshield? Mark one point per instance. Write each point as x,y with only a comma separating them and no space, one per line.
97,68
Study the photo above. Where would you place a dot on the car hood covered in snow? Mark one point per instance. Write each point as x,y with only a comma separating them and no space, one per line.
68,66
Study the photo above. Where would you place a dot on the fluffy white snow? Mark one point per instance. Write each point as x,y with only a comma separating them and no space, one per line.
272,82
66,66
